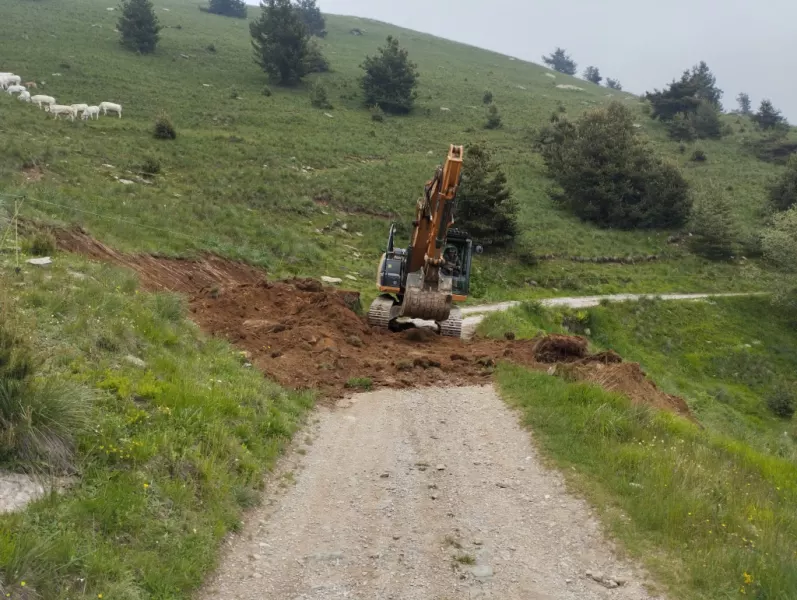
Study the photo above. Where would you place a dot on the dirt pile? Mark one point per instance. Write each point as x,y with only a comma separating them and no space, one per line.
306,335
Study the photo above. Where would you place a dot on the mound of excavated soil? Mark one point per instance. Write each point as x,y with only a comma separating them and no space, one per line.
305,335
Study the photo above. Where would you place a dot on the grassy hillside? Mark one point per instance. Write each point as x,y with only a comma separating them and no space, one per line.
709,509
241,177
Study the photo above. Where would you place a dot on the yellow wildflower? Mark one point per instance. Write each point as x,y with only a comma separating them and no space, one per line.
146,485
748,579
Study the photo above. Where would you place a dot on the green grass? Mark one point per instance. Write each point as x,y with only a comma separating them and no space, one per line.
175,451
236,180
710,517
360,383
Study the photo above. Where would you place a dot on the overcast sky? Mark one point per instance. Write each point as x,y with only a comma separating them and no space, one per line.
750,46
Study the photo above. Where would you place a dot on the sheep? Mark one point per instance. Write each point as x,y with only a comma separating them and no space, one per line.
25,96
15,89
7,79
61,109
40,101
110,106
79,108
91,112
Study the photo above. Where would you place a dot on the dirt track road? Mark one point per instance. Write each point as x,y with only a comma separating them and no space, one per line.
475,314
391,483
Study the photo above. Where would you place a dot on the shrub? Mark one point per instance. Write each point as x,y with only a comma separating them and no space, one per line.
493,117
315,61
42,243
783,192
779,242
485,206
211,48
360,383
706,121
745,105
150,167
593,75
488,97
559,61
279,39
139,26
713,226
699,156
613,84
680,128
228,8
39,419
390,78
377,114
609,175
164,129
319,97
267,91
782,402
685,95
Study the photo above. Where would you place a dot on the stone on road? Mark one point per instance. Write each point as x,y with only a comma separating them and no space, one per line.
344,530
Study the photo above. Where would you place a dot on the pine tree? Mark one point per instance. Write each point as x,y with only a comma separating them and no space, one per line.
311,17
686,95
613,84
228,8
390,78
561,62
485,206
712,226
745,106
493,117
768,117
279,39
139,26
783,192
593,74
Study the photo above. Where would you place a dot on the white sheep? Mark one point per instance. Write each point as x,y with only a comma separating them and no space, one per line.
42,101
61,109
80,108
25,96
7,79
91,112
110,106
15,89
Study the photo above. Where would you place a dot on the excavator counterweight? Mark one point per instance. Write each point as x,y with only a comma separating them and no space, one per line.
423,280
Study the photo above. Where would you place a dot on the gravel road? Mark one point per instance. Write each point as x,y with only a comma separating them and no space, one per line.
387,490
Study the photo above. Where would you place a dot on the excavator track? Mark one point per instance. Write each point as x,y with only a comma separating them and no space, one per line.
452,327
381,312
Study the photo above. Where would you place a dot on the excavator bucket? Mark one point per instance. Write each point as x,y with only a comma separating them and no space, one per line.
431,305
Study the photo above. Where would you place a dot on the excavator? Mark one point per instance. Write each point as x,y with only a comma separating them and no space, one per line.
423,280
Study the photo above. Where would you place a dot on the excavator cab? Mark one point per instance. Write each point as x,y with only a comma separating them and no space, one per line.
460,284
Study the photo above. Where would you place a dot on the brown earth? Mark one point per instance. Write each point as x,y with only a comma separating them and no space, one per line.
305,335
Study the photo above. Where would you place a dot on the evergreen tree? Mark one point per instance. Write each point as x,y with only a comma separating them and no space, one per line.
311,17
139,26
485,206
390,78
685,95
706,121
706,84
593,74
279,39
712,226
745,106
493,117
783,193
613,84
609,175
561,62
228,8
768,117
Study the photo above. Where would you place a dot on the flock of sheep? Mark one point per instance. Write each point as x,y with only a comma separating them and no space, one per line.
12,84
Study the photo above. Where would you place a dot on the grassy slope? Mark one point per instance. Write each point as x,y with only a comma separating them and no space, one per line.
233,180
705,506
175,452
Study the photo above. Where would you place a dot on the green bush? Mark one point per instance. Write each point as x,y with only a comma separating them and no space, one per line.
782,402
151,167
377,114
493,117
280,42
164,129
267,91
319,97
488,97
560,61
713,227
41,243
39,418
311,16
228,8
315,60
699,156
609,175
681,128
783,193
360,383
390,78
